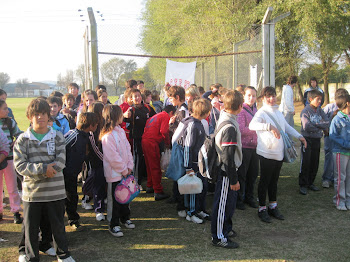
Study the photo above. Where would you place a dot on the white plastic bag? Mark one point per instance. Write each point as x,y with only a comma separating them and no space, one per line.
165,159
190,184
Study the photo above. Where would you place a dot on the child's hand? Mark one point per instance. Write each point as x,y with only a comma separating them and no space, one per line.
275,132
51,172
129,171
303,140
172,120
127,113
235,187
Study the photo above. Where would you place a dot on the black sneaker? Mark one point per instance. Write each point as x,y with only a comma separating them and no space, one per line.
314,188
225,244
240,205
275,213
303,190
17,219
160,196
264,216
252,203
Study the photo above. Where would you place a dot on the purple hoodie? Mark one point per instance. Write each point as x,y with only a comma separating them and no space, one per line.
249,137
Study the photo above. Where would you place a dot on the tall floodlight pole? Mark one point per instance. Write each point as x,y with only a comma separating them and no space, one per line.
94,48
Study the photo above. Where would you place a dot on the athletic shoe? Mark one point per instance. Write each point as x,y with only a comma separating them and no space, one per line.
17,219
182,213
314,188
204,215
303,190
129,224
116,231
100,217
75,225
160,196
4,205
50,252
325,184
68,259
86,205
275,213
22,258
225,244
264,216
232,233
342,208
194,219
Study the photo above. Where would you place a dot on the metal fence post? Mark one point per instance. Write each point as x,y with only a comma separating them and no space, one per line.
94,48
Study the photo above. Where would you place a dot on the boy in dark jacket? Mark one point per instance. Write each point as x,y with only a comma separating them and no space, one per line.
76,143
314,123
229,149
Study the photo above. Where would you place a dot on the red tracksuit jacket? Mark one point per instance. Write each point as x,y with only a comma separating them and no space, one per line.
157,128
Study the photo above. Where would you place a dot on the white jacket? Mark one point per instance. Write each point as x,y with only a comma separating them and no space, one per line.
287,100
268,145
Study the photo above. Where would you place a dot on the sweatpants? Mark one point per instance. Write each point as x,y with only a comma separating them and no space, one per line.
99,189
341,179
70,182
269,174
139,161
11,185
224,206
45,232
247,174
328,169
32,218
151,153
120,212
310,157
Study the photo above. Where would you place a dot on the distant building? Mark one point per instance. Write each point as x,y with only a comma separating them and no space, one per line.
32,90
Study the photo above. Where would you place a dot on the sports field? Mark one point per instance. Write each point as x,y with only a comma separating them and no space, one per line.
313,230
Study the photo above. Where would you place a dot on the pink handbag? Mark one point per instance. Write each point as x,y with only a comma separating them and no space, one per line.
126,190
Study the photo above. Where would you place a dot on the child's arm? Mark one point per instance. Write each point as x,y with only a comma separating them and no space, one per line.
258,123
65,126
164,130
4,144
189,141
60,160
97,151
229,145
36,171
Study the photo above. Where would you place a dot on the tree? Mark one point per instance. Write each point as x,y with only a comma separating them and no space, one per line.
23,84
4,79
64,80
80,75
113,69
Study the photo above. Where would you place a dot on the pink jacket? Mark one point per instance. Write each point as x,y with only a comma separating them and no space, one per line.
249,137
117,156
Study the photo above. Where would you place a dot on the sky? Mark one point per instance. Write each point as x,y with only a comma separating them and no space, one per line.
41,38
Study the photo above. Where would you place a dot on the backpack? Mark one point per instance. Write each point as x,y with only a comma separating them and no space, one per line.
207,156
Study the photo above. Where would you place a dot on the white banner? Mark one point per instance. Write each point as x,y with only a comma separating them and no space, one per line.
180,74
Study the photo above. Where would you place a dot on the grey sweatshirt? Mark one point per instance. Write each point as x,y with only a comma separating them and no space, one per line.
313,121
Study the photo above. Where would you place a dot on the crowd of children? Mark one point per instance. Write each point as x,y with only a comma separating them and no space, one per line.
85,134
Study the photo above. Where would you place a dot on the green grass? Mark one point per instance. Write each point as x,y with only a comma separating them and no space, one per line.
313,231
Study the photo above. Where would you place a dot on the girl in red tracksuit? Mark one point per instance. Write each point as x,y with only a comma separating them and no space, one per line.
156,132
117,163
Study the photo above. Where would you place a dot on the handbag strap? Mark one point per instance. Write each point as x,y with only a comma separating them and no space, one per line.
274,120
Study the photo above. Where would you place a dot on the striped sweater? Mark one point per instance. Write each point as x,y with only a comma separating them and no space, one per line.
31,158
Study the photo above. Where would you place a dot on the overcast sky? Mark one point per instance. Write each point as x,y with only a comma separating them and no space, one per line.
41,38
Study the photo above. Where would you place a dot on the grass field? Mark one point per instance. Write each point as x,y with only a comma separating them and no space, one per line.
313,230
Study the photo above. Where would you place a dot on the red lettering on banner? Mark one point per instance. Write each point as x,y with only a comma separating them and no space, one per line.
187,84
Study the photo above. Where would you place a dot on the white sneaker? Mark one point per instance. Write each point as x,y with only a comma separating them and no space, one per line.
325,184
204,215
68,259
194,219
22,258
116,231
50,252
100,217
342,208
129,224
182,213
4,205
86,205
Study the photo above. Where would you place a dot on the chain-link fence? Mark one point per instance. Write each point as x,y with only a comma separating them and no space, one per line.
229,70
